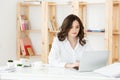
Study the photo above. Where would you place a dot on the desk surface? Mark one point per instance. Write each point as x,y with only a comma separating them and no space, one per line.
52,73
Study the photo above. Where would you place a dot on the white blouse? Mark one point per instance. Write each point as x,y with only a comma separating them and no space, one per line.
62,52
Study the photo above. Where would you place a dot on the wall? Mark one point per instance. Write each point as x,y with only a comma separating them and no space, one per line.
7,30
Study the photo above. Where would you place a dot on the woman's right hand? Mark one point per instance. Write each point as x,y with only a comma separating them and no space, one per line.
72,65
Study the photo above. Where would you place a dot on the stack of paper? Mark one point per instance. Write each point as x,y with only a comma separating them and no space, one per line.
112,70
7,69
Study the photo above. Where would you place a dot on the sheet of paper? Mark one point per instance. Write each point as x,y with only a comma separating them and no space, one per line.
112,70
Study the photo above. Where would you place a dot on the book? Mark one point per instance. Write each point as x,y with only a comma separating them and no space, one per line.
30,50
25,44
100,30
26,51
6,69
54,24
24,23
50,27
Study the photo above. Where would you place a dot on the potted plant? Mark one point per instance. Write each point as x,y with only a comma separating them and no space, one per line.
19,66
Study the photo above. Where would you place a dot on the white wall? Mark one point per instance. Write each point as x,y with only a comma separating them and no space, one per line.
7,30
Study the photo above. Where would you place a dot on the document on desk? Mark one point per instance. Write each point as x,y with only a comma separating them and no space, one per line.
6,69
112,70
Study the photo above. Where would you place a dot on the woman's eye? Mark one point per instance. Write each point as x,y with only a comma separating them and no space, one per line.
77,27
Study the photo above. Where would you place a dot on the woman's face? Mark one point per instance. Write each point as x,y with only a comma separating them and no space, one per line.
74,30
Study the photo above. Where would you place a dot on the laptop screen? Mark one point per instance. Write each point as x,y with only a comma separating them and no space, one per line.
93,60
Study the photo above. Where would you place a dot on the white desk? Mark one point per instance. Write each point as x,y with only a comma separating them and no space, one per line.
48,73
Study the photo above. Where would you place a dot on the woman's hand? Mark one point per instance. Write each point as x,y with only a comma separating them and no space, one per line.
72,65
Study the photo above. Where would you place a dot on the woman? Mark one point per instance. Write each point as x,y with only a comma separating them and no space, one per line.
69,45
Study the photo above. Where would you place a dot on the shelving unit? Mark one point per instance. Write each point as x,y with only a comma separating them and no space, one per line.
111,33
23,9
80,10
113,18
47,7
49,14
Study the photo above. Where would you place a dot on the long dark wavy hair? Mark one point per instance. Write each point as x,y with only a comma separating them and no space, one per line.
67,25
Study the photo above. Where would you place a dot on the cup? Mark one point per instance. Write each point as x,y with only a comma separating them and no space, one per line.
10,64
37,65
25,62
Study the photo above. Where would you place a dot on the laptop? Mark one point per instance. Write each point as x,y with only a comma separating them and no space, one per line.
93,60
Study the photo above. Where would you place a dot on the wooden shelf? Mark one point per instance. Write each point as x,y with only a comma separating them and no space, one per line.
95,33
54,31
85,3
36,55
116,33
116,2
32,31
23,9
30,4
58,4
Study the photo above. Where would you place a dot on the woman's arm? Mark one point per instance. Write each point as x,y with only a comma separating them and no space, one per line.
54,55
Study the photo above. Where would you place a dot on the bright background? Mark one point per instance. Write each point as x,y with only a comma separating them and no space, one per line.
95,20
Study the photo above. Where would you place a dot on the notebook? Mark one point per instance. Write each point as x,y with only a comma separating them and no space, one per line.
112,70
